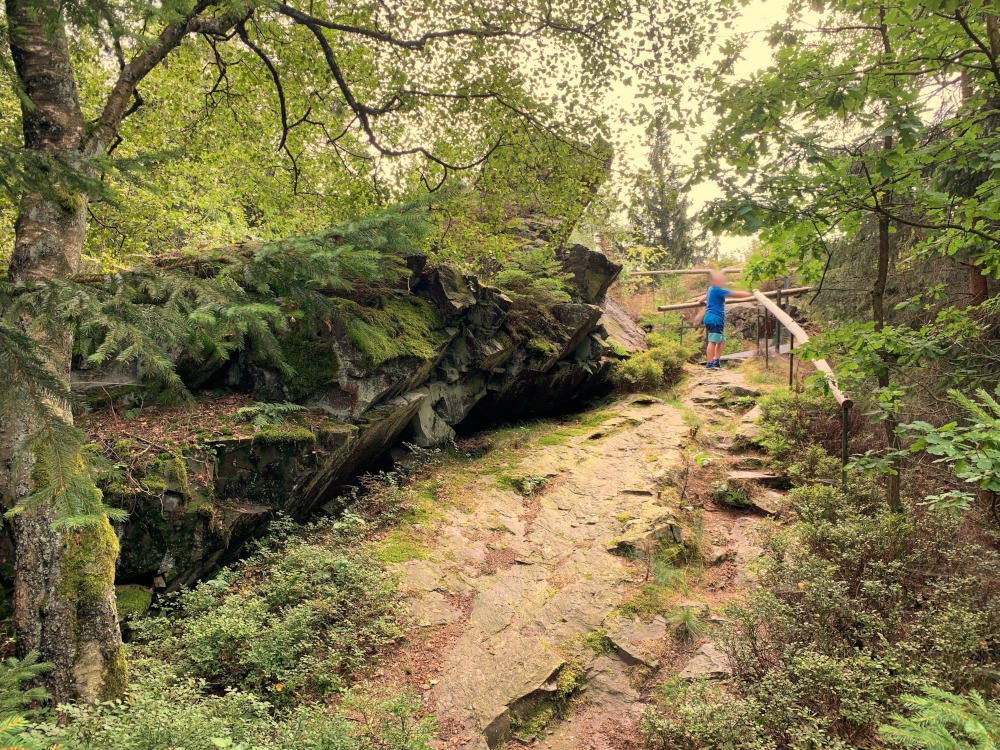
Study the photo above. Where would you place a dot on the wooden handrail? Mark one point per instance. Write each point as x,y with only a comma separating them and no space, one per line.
687,271
792,292
802,337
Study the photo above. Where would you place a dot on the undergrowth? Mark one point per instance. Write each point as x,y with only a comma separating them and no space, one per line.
859,611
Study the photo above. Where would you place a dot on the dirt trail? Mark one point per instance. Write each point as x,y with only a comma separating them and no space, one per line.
521,631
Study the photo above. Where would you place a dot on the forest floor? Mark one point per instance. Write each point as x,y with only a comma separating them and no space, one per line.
554,577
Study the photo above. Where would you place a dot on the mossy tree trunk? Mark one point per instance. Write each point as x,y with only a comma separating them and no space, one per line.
64,604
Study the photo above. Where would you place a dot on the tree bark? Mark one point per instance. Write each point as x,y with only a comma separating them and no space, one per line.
892,490
64,601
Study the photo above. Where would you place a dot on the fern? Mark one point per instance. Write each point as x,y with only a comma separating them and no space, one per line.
945,721
267,415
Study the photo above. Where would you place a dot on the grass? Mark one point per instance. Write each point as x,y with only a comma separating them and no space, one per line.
754,372
686,624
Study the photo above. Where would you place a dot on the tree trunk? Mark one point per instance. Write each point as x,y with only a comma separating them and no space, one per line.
878,314
892,489
64,603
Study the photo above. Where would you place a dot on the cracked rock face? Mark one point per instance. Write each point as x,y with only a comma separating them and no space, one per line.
477,372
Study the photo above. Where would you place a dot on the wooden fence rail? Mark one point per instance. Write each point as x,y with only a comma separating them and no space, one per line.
793,292
688,271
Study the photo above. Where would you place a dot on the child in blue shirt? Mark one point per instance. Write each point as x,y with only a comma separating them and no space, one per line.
715,317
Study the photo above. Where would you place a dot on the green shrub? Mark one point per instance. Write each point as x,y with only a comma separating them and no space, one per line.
164,711
790,422
856,606
295,619
659,367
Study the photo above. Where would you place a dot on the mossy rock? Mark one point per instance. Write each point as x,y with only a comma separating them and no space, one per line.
133,601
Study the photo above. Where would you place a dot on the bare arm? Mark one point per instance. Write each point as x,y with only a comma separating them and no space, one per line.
740,295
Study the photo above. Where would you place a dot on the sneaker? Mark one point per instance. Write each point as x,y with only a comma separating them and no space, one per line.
711,366
718,363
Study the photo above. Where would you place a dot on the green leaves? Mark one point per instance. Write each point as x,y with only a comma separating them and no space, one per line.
971,448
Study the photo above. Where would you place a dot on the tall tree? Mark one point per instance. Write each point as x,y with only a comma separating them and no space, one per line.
871,114
660,209
430,84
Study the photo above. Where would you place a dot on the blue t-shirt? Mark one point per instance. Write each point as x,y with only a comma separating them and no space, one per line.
715,306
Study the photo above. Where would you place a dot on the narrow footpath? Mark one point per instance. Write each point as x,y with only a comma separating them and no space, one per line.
557,589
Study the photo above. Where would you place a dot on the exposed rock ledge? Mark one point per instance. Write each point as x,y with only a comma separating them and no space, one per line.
477,371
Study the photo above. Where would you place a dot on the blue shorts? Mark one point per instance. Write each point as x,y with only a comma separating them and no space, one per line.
715,334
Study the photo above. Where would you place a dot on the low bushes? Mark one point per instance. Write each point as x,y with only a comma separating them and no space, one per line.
163,711
660,366
294,619
856,607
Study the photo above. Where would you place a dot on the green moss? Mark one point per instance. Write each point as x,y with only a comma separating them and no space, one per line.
523,484
88,572
166,471
599,642
133,600
403,327
399,547
568,680
314,364
733,493
530,725
114,678
542,346
276,434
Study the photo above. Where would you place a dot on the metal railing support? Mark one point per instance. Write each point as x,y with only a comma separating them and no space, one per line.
791,361
845,425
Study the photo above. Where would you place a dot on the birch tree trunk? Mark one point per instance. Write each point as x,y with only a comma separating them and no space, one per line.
64,603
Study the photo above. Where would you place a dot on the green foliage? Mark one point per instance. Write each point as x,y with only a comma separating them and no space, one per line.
15,695
660,211
320,612
856,606
971,449
686,623
263,414
12,734
791,422
206,305
534,279
163,711
940,720
659,367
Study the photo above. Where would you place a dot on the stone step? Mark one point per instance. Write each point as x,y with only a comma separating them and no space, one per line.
762,477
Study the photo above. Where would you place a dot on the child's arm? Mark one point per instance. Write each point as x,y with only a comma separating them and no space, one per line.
739,295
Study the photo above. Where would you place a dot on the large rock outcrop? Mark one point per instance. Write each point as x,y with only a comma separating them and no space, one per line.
449,355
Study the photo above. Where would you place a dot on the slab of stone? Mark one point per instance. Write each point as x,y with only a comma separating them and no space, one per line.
709,663
636,640
481,680
432,609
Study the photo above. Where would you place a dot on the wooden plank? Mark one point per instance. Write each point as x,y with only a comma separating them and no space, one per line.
802,337
687,271
793,292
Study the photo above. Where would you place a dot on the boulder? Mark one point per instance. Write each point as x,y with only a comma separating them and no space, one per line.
621,330
709,663
447,289
592,272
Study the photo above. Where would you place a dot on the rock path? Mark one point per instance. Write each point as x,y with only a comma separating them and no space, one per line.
518,582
